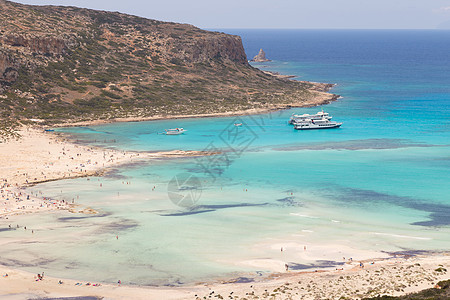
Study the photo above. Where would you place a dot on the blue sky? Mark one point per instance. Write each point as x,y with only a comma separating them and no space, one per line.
338,14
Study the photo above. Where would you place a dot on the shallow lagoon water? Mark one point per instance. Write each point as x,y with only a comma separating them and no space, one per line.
379,183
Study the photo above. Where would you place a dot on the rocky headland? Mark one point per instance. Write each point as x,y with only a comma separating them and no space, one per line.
66,64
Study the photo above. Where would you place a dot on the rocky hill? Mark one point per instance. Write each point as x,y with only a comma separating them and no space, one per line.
67,64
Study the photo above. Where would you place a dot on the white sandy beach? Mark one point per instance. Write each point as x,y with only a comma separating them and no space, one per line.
394,276
40,156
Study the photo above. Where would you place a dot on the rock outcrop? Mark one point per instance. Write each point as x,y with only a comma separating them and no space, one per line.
46,45
261,57
229,47
8,71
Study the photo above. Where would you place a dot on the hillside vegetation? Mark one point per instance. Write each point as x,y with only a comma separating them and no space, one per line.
65,64
440,292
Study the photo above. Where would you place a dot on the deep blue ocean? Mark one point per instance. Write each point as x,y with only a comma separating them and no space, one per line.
380,183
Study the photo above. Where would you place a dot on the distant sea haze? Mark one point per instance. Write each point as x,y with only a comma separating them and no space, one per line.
378,184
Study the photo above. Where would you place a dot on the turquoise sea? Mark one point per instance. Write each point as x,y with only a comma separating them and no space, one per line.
378,184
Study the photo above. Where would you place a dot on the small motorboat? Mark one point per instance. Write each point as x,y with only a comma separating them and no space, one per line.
175,131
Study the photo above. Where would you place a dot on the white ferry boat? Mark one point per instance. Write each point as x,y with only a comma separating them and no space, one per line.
316,124
318,116
175,131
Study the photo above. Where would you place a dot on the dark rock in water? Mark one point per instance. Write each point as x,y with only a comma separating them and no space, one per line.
289,201
261,57
240,280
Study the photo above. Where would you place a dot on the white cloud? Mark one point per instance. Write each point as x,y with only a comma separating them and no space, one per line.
445,9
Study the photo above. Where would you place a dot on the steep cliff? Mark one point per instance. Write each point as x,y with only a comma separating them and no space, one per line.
66,63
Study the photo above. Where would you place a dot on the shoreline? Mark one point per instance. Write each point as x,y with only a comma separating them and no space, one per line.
251,111
396,275
278,75
320,91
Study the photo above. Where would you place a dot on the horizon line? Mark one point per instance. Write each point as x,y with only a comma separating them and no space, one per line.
286,28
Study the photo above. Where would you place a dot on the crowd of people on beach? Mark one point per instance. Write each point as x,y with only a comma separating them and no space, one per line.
14,200
40,277
57,159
